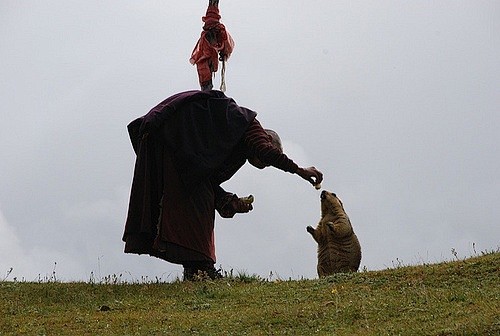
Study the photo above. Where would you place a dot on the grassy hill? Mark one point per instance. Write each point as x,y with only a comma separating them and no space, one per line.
451,298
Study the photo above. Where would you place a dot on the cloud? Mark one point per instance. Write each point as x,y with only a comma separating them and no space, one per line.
32,263
396,103
11,253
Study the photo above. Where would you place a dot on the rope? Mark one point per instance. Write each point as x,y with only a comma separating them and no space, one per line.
223,77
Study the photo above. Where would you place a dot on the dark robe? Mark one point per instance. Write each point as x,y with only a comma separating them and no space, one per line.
182,144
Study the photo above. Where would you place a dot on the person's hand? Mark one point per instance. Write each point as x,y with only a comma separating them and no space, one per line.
240,206
311,174
236,205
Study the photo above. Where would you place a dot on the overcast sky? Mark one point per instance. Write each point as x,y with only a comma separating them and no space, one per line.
396,102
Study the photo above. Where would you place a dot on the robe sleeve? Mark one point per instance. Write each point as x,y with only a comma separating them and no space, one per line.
222,202
259,145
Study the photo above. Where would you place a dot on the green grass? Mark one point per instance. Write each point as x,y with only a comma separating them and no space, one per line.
451,298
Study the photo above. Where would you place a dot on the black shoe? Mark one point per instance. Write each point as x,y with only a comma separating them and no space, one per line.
189,273
214,273
199,271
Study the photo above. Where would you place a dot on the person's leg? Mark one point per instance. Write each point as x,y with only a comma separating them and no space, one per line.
186,222
196,265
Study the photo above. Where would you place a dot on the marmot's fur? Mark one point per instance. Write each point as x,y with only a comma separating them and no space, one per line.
338,247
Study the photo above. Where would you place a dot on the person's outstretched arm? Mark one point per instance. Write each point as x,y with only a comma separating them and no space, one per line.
260,146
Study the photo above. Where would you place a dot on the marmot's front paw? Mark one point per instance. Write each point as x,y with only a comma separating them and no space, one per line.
310,229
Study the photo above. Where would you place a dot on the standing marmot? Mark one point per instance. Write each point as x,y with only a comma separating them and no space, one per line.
338,246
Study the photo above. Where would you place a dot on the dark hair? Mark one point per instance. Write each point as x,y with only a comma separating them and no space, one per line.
275,139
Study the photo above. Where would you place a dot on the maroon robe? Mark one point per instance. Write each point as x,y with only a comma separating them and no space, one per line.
186,147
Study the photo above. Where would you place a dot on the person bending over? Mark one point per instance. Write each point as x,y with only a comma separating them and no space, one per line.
186,147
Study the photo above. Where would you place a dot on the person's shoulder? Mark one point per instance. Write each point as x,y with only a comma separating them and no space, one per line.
200,94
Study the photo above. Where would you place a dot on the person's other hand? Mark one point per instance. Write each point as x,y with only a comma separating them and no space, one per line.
241,206
236,205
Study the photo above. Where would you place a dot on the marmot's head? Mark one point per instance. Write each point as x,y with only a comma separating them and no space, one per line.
330,204
333,217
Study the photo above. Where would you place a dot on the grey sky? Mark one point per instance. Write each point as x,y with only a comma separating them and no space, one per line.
396,102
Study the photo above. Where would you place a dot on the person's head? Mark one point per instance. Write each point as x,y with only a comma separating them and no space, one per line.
276,141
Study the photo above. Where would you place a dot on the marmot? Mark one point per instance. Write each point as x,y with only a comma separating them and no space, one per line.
338,247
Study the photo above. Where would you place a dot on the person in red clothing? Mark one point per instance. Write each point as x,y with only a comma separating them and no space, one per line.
186,147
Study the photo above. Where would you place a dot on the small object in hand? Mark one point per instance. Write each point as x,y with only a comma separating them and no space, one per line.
248,200
317,186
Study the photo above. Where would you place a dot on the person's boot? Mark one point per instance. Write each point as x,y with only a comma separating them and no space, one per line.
189,273
214,273
200,270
